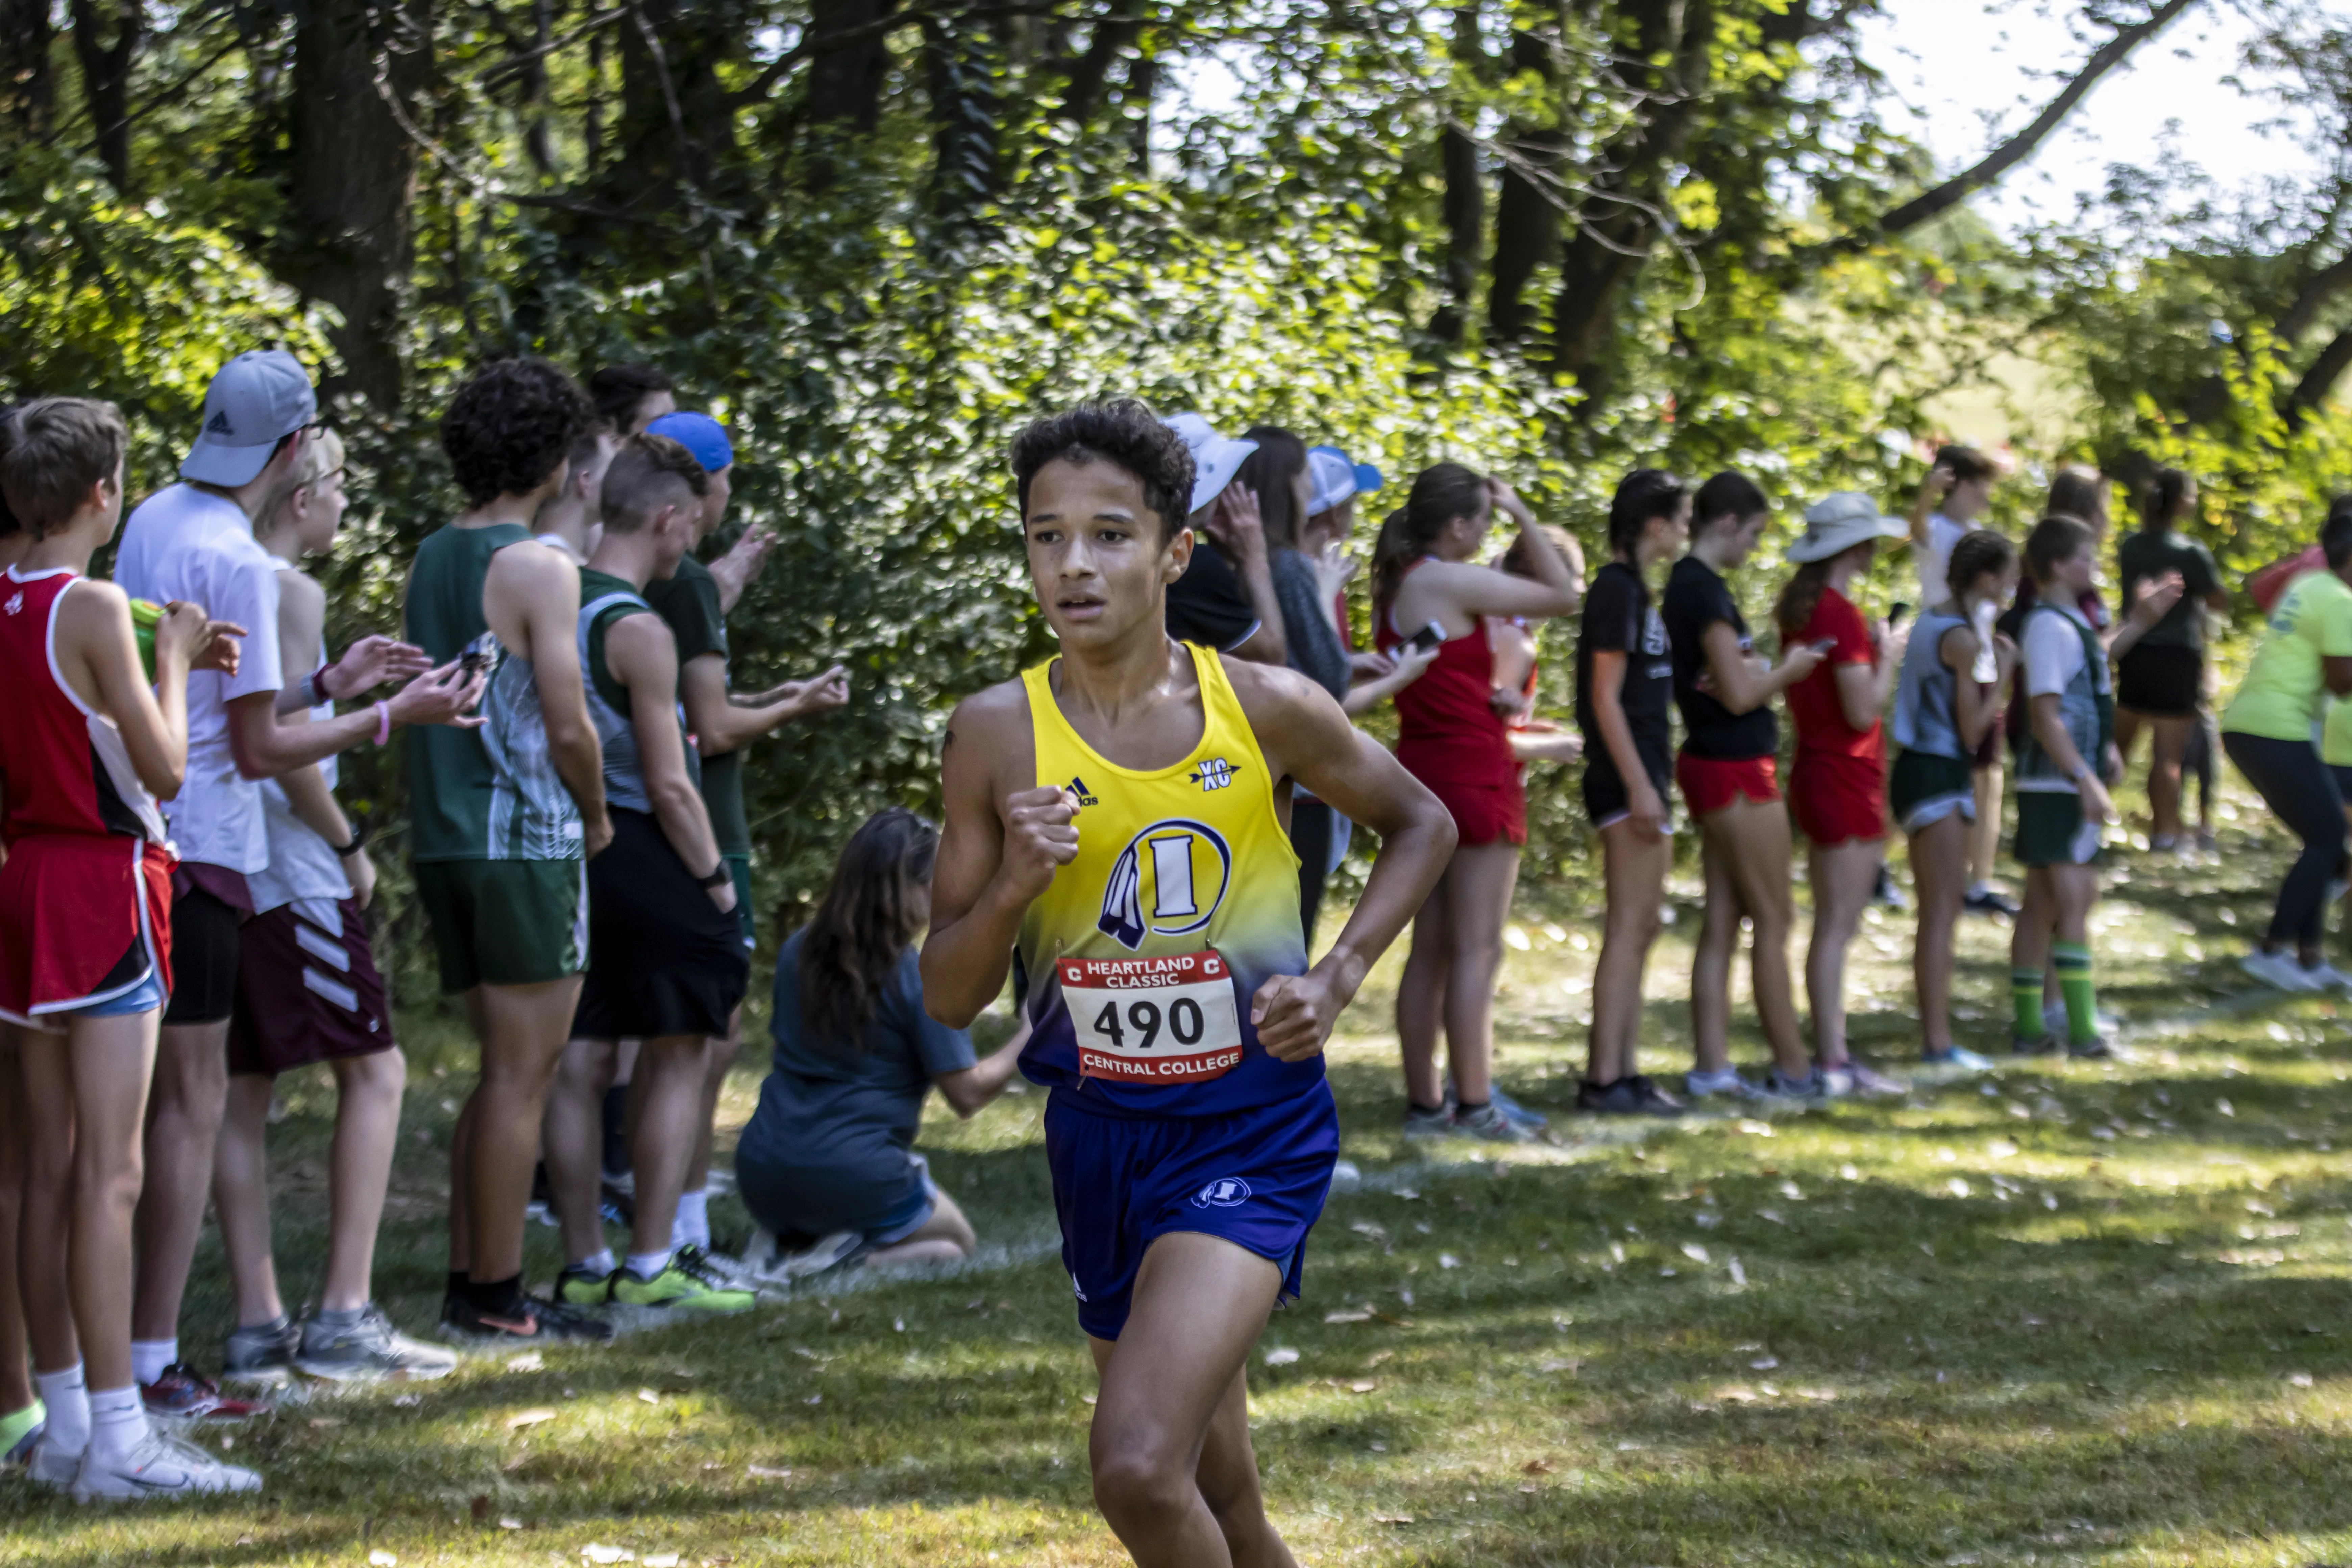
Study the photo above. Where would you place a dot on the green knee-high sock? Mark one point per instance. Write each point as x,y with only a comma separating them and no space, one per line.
2025,996
2072,961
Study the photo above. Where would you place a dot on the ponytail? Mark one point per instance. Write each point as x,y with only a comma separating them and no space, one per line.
1793,611
1439,494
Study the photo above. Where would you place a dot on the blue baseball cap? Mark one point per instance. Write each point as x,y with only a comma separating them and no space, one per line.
700,435
1333,477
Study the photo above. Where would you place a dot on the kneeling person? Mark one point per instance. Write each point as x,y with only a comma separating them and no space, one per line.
1117,815
665,964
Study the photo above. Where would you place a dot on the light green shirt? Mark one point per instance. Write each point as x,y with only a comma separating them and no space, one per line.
2286,687
2336,740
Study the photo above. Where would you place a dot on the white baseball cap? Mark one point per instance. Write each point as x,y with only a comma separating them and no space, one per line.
257,400
1333,477
1836,523
1216,458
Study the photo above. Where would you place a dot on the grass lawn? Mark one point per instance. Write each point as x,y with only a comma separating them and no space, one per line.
2071,1314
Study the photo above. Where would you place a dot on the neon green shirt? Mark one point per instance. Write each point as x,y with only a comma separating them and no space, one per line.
2285,687
2336,740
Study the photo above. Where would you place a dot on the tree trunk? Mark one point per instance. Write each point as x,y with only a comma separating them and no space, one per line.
676,127
1527,208
961,78
1464,207
106,63
844,88
1135,101
354,176
1619,223
27,91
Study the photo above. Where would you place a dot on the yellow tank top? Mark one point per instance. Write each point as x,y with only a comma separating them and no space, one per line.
1141,959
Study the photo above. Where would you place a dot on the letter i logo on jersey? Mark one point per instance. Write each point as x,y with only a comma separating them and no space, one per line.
1177,871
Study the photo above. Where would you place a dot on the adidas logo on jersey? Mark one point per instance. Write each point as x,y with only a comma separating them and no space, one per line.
1214,774
1077,786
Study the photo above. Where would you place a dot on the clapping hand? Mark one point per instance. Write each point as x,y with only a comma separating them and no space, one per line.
368,663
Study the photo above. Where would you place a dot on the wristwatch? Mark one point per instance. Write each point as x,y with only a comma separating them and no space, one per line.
358,842
720,876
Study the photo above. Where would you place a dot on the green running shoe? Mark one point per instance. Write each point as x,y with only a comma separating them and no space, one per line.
685,1286
578,1287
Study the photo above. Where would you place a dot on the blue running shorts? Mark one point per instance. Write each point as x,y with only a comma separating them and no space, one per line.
1257,1178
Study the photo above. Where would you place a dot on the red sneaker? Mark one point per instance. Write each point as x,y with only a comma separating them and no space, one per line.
184,1393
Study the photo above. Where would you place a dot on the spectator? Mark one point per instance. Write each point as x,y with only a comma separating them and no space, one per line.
826,1164
628,397
2160,679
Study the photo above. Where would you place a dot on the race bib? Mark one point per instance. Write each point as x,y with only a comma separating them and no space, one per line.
1152,1020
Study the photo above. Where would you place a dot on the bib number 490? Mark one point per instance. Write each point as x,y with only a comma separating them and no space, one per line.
1153,1020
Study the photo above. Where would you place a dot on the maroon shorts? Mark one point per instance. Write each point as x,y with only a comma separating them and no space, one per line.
1483,814
307,989
1711,784
1835,799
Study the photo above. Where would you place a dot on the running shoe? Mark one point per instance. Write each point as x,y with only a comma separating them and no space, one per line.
1489,1124
1419,1123
2098,1048
52,1466
1888,891
533,1322
20,1432
1533,1120
1850,1078
2206,842
579,1287
261,1354
367,1350
1954,1059
685,1286
2327,977
1630,1095
1984,898
2054,1019
2040,1045
1778,1085
2278,970
161,1466
2162,844
826,1252
1726,1083
181,1392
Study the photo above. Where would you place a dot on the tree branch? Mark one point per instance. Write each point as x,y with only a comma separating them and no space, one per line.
1934,202
528,58
2321,378
760,86
2321,287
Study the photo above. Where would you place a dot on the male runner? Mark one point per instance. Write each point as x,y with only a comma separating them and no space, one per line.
1117,815
501,823
629,397
665,965
570,520
308,991
193,542
85,939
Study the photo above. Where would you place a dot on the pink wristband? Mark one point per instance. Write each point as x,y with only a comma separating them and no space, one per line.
382,722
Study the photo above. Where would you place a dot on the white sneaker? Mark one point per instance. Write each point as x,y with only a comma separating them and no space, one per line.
1852,1078
52,1466
160,1466
817,1258
2327,977
1728,1083
2278,970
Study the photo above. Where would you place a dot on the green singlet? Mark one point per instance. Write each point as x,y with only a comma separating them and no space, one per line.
689,602
450,775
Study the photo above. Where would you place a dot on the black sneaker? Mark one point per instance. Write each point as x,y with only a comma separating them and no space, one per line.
534,1322
1630,1095
1989,902
1652,1101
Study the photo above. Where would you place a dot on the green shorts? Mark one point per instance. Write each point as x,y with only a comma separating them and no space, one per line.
2051,830
739,867
505,923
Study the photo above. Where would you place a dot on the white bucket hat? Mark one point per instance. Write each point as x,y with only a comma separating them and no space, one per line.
1216,458
1836,523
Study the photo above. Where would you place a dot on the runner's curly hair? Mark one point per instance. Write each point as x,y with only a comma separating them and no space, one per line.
863,925
511,427
1124,431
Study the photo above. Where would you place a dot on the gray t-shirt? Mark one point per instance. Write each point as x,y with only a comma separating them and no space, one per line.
835,1118
1312,641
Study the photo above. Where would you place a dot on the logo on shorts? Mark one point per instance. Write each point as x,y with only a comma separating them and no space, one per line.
1077,1289
1168,881
1224,1193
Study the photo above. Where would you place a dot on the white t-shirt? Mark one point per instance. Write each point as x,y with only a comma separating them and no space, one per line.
1935,559
187,544
301,864
2052,655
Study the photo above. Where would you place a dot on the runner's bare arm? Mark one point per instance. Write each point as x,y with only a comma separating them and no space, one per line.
1305,736
998,850
98,656
640,650
301,614
536,594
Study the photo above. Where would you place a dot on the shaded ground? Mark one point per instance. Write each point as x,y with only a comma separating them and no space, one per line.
2071,1314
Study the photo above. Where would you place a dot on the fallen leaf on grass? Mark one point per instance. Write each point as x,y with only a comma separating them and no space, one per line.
323,1421
522,1418
1447,1260
509,1524
1737,1396
1823,1396
1391,1518
650,1397
2225,1107
1695,1252
1281,1355
407,1402
1537,1468
596,1552
767,1473
1352,1315
382,1559
1755,1128
530,1361
1377,1357
661,1560
1764,1362
2299,1379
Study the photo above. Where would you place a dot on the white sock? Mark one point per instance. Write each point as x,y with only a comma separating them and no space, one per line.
118,1421
692,1225
150,1357
602,1264
645,1265
68,1403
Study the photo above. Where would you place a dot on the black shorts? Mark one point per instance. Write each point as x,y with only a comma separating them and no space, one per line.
2343,779
662,959
2167,680
203,956
1604,791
